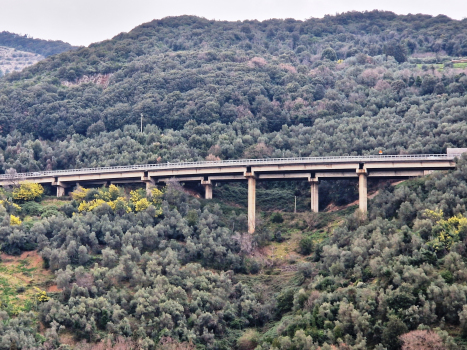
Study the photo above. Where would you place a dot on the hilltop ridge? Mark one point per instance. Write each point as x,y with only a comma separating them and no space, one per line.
20,51
38,46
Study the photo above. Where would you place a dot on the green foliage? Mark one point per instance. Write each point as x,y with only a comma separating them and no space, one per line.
28,192
49,211
39,46
277,218
329,53
306,245
167,265
284,301
447,276
394,328
31,208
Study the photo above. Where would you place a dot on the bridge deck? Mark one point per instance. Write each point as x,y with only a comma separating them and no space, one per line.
240,162
307,168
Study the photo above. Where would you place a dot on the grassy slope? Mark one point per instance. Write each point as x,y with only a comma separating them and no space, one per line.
19,276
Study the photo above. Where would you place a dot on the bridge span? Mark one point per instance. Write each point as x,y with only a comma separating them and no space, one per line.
310,169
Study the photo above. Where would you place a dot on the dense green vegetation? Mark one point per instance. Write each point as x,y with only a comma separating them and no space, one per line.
180,272
276,97
147,276
39,46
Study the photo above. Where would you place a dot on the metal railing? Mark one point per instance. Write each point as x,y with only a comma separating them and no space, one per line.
237,162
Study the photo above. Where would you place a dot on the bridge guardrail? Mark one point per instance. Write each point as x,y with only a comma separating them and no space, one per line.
226,163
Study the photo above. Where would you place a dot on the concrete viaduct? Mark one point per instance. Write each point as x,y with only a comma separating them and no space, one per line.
310,169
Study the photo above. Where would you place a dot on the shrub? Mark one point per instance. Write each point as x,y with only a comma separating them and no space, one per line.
306,269
49,211
28,192
31,208
447,275
278,237
285,300
249,340
14,220
142,204
305,246
277,218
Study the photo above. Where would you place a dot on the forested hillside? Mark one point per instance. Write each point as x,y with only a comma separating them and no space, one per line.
38,46
115,267
273,88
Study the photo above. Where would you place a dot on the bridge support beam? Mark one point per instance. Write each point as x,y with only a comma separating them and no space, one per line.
362,190
314,195
251,203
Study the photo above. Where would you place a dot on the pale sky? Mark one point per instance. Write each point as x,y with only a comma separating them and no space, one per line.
81,22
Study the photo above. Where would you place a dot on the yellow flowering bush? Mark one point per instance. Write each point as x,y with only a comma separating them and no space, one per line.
28,191
445,232
79,194
433,215
14,220
5,203
109,194
113,196
88,206
137,195
156,195
142,204
41,295
120,204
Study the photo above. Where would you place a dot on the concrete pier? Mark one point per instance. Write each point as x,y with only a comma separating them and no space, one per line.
362,190
207,191
314,195
60,191
251,203
149,186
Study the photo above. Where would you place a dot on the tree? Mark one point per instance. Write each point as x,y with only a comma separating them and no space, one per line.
329,54
396,50
422,340
428,84
394,328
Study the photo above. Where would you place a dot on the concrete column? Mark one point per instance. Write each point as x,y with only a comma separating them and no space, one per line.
207,184
251,204
314,196
149,186
207,191
60,191
362,190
